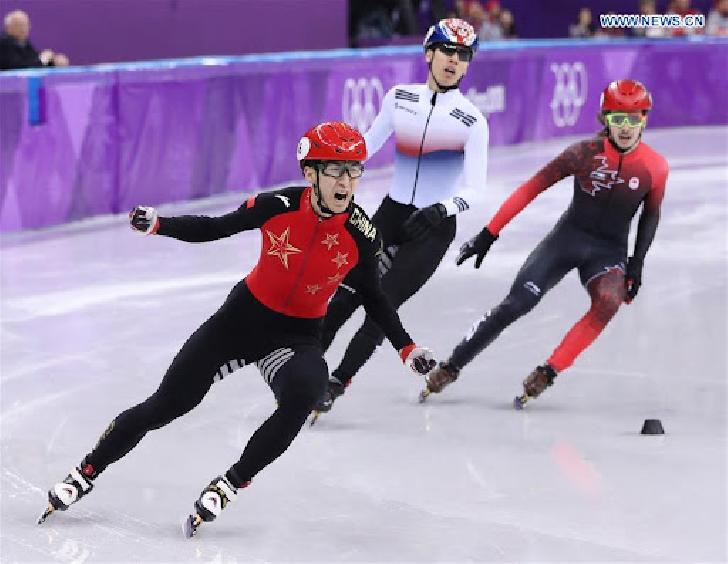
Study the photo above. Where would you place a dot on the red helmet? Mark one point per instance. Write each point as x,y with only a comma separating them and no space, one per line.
332,141
626,96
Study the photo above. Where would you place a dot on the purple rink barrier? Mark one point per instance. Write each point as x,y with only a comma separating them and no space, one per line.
79,142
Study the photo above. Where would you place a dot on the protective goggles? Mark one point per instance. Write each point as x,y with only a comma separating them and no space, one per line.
336,169
620,119
465,54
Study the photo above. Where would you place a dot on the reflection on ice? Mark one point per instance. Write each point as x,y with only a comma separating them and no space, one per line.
92,314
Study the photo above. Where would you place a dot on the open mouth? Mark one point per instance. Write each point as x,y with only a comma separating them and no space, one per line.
341,196
450,71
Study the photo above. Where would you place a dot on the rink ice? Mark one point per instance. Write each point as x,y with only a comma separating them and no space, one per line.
92,315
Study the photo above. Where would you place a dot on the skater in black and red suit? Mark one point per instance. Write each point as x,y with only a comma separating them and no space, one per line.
613,174
312,237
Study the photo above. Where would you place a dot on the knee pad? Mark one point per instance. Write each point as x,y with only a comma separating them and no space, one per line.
301,382
607,294
605,305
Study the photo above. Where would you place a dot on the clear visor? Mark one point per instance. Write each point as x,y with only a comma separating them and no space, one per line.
336,169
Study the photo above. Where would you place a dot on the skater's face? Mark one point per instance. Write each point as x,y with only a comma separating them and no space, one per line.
625,127
337,181
448,63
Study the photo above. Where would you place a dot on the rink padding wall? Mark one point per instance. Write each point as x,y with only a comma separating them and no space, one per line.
84,141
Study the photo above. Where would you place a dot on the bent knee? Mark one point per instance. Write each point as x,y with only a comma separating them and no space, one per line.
606,304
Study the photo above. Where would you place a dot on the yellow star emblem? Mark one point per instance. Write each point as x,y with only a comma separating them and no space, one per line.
340,259
312,288
280,247
335,279
331,240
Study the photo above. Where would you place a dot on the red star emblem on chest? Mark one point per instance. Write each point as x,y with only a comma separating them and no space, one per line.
330,240
280,247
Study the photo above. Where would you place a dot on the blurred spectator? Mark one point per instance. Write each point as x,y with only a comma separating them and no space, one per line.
432,11
583,27
17,52
682,8
377,21
369,19
647,8
403,17
472,12
717,23
508,25
490,29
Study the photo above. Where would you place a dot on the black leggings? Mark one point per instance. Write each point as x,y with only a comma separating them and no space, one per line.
289,356
566,247
412,265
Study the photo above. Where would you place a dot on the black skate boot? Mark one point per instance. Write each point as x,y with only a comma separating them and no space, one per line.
213,499
333,391
533,386
436,381
76,485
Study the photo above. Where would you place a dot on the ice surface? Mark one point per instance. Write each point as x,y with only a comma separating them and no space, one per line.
92,314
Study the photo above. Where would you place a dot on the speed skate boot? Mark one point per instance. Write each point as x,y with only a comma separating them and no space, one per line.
76,485
334,389
436,381
533,386
213,499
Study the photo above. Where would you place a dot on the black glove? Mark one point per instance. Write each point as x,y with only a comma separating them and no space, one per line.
424,220
633,278
144,219
478,245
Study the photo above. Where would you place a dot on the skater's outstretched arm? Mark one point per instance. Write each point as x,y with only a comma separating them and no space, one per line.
646,229
377,306
559,168
382,127
200,228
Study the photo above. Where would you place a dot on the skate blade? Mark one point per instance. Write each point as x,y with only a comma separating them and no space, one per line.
519,402
424,394
314,417
190,525
50,509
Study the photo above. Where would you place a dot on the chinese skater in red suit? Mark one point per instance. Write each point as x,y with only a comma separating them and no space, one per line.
312,237
614,174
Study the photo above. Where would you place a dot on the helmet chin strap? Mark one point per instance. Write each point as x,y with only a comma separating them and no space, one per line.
440,86
628,149
319,198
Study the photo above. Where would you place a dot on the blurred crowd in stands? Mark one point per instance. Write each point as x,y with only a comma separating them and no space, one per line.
380,22
372,22
716,21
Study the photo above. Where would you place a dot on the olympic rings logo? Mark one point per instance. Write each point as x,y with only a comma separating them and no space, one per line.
361,101
570,91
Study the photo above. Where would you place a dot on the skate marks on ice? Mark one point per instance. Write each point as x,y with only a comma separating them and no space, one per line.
382,478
